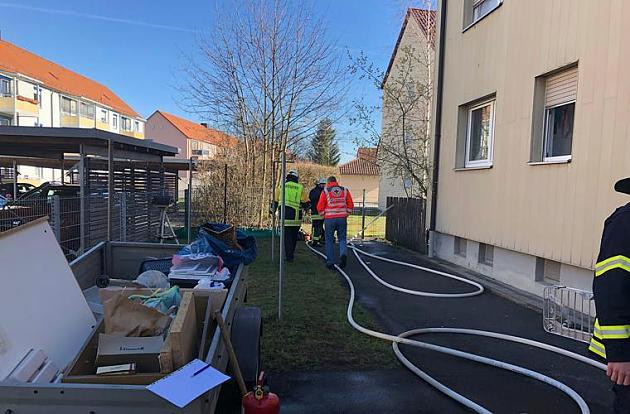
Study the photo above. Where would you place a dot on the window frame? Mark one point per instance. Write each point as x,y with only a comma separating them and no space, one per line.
70,101
115,121
9,120
6,81
104,117
487,162
468,24
546,131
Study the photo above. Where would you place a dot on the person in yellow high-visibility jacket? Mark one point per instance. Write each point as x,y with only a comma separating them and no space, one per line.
296,200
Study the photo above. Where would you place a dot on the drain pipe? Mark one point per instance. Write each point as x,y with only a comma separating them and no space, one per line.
438,127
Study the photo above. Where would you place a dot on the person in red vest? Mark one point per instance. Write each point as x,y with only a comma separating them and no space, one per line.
335,205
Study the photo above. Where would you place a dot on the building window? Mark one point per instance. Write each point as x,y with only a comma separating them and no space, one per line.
114,121
104,116
5,86
486,254
480,134
548,271
68,106
37,94
136,126
459,247
555,96
87,110
560,97
5,121
475,10
125,124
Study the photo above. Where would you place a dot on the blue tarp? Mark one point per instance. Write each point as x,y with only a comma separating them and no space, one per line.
205,243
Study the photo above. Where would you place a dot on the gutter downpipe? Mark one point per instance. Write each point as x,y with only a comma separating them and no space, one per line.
438,128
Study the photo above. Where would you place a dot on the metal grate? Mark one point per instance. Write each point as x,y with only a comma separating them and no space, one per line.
568,312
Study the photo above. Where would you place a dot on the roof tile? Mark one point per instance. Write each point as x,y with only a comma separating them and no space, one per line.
199,132
364,164
14,59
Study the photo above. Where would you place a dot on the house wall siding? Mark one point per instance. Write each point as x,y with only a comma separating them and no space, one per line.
159,129
357,183
391,183
550,211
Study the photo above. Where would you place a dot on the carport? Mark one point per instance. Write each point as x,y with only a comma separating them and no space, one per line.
100,162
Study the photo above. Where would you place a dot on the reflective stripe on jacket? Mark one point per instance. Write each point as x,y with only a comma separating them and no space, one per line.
611,290
293,196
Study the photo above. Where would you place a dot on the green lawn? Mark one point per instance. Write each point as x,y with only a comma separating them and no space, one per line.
375,228
314,332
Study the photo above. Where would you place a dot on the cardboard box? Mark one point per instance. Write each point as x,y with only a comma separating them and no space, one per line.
179,347
116,350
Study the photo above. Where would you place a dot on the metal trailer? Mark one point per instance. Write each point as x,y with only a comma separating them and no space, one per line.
122,260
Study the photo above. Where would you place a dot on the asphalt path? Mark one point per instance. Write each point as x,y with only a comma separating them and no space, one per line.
397,390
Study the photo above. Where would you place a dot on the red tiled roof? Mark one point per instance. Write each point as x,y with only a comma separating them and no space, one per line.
364,164
427,20
199,132
17,60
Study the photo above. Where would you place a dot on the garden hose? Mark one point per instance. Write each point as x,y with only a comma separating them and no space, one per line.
403,338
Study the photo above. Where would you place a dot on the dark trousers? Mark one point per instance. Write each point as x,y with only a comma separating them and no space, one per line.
290,240
622,399
318,230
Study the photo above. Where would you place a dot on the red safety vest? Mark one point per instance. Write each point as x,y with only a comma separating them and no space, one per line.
336,202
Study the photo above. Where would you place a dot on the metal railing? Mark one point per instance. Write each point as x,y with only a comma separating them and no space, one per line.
568,312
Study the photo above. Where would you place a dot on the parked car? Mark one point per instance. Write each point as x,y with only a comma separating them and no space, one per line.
22,188
50,189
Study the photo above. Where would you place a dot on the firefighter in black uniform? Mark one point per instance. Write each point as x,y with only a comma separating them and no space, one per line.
611,289
316,219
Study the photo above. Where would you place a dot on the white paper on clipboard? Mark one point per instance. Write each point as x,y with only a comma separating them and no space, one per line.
181,387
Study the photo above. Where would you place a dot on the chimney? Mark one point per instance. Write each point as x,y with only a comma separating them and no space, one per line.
204,124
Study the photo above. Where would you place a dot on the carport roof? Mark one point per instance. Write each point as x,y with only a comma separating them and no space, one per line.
53,143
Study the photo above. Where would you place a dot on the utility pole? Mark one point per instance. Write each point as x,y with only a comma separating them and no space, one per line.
363,217
273,216
282,218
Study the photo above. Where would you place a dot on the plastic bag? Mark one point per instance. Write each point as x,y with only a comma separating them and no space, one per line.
164,301
199,245
153,279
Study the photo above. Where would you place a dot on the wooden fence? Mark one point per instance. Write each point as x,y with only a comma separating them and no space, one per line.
405,225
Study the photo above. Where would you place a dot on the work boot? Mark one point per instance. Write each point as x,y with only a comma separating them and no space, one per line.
343,261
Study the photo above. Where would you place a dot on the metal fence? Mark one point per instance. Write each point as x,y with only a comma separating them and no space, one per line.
568,312
368,222
134,218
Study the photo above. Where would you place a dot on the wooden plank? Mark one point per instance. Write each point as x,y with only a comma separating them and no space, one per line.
183,333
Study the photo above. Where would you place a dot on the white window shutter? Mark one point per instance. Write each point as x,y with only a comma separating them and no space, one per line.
561,87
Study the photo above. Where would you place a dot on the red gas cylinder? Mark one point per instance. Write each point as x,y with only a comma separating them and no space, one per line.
259,401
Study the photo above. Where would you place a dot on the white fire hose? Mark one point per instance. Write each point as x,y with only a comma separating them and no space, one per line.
403,338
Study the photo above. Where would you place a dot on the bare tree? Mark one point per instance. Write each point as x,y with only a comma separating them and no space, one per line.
403,140
266,72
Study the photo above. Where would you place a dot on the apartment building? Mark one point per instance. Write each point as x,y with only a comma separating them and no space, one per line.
534,134
406,106
192,139
37,92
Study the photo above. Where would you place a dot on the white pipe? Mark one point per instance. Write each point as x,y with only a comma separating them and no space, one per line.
403,337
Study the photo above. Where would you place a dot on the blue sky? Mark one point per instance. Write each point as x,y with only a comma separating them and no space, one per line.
136,47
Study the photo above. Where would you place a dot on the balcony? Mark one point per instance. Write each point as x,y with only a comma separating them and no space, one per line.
7,104
69,120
